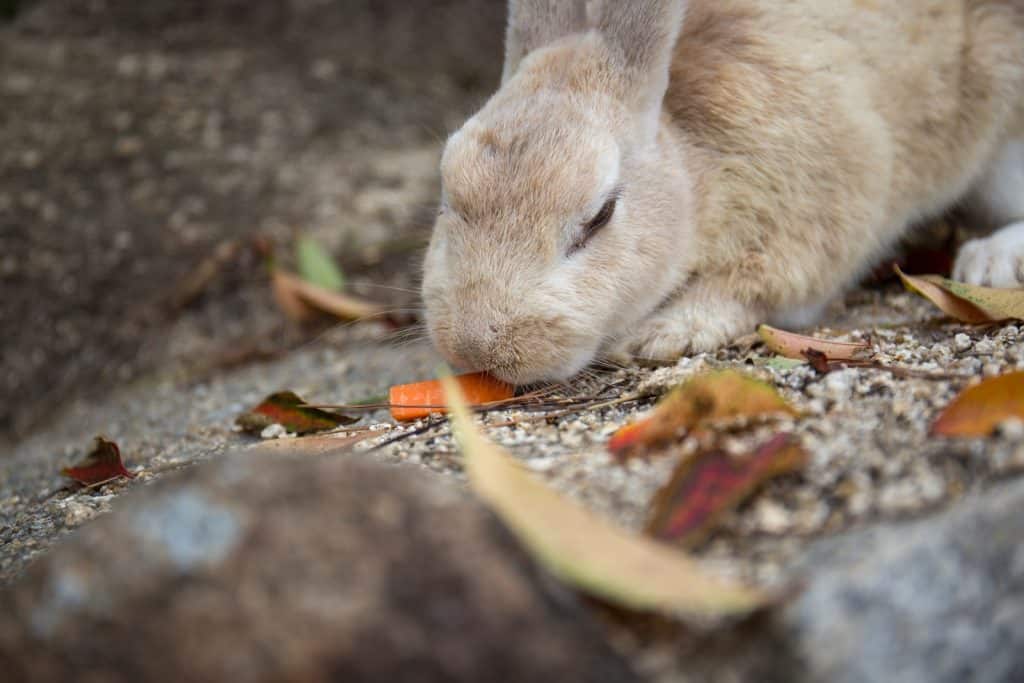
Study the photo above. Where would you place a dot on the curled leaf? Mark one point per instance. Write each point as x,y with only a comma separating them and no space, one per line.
979,409
706,486
792,345
704,399
967,303
287,409
102,464
301,300
584,550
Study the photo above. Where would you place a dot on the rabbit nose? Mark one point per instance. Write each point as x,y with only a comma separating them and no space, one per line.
476,345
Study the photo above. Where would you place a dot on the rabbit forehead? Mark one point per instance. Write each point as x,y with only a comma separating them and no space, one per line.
542,158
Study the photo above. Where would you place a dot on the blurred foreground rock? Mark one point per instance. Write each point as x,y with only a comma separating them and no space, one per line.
316,569
937,601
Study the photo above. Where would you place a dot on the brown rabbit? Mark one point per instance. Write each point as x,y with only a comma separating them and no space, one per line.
655,177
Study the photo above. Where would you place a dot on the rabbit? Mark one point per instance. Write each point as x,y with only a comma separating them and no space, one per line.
656,177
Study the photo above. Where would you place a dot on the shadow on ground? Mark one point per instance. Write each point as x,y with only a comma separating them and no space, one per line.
135,137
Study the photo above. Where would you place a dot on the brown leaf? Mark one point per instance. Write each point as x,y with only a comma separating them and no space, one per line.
704,399
102,464
287,409
301,300
979,409
967,303
586,551
710,484
792,345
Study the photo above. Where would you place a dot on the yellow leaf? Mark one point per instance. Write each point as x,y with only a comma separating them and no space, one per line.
704,399
978,410
967,303
584,550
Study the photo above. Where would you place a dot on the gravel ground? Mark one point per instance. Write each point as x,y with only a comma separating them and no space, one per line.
866,430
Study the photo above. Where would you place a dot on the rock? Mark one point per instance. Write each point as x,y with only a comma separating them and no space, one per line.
934,601
263,568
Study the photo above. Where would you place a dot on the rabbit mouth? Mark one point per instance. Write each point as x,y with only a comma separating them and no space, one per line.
521,351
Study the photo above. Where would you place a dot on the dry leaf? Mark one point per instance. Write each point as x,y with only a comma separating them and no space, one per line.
585,550
967,303
313,445
979,409
287,409
792,345
819,361
706,486
704,399
301,300
102,464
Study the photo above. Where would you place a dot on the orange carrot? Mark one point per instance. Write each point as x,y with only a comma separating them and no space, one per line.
420,399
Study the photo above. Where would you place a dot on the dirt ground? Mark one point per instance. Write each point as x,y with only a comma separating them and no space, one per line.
136,137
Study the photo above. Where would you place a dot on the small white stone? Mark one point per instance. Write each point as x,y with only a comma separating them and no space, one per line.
771,517
1012,429
274,431
77,513
962,342
985,347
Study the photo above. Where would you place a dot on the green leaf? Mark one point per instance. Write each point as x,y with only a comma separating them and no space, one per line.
316,265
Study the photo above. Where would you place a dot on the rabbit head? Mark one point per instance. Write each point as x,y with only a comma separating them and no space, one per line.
561,219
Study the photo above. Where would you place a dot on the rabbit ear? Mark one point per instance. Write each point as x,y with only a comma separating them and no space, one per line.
533,24
641,37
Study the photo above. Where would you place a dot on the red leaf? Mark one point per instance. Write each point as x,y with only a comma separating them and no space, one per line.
818,361
102,464
287,409
710,484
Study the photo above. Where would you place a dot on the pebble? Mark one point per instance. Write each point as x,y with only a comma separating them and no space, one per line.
962,342
772,517
76,513
1012,429
985,347
274,431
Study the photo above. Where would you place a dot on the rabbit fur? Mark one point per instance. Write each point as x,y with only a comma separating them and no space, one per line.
758,156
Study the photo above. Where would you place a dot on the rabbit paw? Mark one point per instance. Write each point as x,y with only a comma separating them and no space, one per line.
995,261
690,325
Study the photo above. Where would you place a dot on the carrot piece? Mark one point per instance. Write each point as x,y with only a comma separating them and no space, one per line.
420,399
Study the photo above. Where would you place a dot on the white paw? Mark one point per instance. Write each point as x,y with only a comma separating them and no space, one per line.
687,327
995,261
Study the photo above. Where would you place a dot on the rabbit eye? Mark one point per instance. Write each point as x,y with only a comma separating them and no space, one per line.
602,217
594,225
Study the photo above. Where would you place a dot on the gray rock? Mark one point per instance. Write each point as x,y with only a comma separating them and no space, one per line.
933,601
264,568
